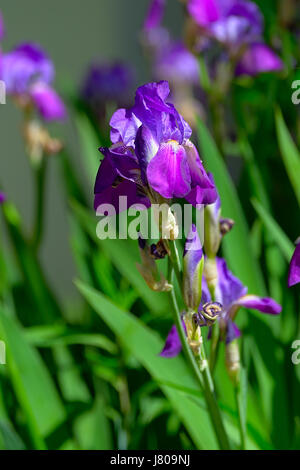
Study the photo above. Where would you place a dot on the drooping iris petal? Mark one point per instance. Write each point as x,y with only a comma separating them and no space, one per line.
113,194
232,332
203,190
110,185
259,58
262,304
204,12
124,163
24,66
294,271
155,14
124,125
229,288
168,172
172,346
192,269
48,102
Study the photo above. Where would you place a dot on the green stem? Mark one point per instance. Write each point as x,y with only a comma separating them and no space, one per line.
40,178
214,348
201,373
210,397
175,260
177,318
242,420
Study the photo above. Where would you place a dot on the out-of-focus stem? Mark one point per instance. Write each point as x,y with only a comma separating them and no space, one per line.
242,421
40,180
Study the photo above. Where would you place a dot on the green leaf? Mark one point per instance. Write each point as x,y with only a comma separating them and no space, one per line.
278,235
92,428
89,143
237,245
32,383
289,153
145,345
9,439
48,336
124,255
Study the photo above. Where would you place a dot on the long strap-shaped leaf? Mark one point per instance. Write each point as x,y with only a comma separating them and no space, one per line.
289,153
236,244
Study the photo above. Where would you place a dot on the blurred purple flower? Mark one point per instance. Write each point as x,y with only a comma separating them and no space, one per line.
153,139
175,63
258,58
154,14
294,271
2,29
2,197
232,295
228,21
106,82
28,73
237,23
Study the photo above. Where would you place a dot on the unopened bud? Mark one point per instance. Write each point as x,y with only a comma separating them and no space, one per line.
211,312
211,273
149,271
232,358
226,225
193,262
158,250
212,235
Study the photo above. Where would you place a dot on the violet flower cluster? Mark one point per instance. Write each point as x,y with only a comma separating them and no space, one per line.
152,157
28,74
106,83
236,24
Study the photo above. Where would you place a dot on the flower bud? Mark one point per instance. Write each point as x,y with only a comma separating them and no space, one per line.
226,225
148,269
212,234
210,312
193,263
232,359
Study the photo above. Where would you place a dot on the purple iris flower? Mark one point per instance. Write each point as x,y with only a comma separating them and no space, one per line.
228,21
294,271
232,295
237,23
28,73
151,144
258,58
174,62
106,82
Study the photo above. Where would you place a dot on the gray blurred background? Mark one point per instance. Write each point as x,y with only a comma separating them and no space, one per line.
73,32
